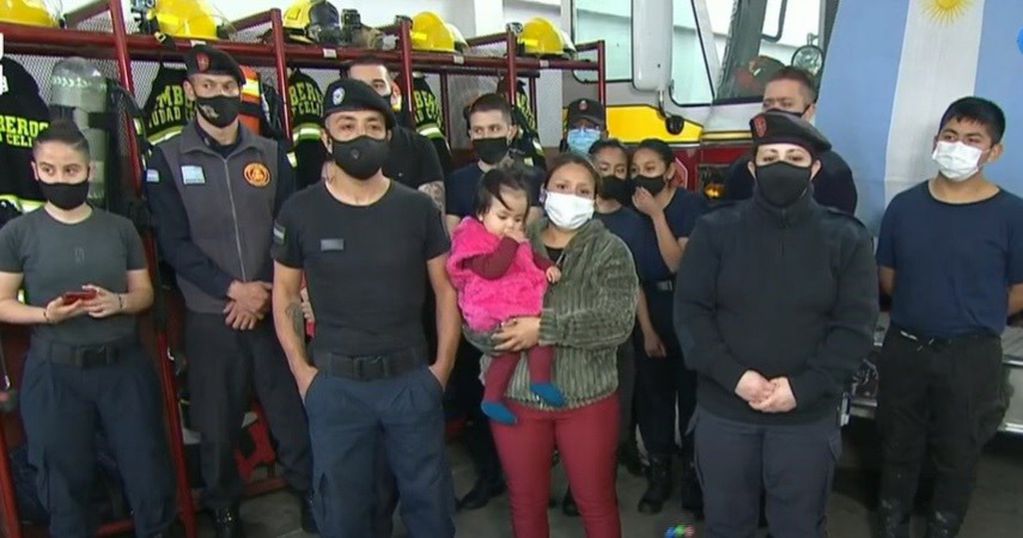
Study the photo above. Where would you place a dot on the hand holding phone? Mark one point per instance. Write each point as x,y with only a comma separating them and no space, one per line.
74,296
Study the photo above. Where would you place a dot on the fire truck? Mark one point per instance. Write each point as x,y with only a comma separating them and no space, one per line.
692,72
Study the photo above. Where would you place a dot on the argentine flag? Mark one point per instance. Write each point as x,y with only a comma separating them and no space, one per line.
894,66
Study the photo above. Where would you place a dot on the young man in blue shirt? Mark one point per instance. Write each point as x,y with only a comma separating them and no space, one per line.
950,254
491,131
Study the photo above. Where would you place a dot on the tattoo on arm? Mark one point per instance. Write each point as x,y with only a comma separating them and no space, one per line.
294,312
435,190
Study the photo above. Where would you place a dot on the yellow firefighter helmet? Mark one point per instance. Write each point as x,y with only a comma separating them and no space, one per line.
431,34
539,37
29,12
189,19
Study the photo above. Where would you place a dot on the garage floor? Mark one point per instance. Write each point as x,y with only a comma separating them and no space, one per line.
997,510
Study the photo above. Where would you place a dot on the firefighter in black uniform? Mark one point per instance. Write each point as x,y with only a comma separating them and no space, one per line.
85,278
214,192
776,301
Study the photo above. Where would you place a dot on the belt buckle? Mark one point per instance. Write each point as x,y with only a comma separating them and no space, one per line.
94,356
358,372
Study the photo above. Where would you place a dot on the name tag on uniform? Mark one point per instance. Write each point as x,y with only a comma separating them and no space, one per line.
332,245
152,176
192,175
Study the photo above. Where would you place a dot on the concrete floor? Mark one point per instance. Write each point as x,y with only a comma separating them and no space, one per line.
996,512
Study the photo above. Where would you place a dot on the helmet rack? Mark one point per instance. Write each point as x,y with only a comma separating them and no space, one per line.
123,48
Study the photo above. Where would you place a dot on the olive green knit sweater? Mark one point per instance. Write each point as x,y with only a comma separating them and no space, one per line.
586,315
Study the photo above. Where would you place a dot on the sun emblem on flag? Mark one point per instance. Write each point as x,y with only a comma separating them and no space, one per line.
947,11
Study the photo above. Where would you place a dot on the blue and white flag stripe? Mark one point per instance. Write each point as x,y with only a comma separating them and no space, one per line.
894,66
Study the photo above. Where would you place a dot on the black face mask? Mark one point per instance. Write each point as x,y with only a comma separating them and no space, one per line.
361,157
782,184
66,196
612,188
491,150
652,184
221,110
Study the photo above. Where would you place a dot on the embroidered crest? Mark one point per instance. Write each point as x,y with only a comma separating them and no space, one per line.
760,126
202,62
257,175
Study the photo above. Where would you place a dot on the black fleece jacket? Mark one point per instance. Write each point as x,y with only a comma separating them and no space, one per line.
787,293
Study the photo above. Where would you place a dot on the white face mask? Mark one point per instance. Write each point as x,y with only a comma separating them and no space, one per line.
567,211
957,161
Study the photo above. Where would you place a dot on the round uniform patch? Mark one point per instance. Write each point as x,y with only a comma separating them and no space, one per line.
760,126
257,174
202,61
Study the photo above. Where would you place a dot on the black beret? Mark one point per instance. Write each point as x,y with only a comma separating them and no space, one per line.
351,94
586,109
778,127
206,60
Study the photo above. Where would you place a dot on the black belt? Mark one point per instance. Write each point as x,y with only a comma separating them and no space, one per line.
370,367
84,357
660,285
940,343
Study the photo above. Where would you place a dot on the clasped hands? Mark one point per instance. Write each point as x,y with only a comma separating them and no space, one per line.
248,304
767,396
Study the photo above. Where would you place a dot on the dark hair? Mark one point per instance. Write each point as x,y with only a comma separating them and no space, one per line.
610,143
660,147
490,102
511,178
571,157
802,76
66,132
977,110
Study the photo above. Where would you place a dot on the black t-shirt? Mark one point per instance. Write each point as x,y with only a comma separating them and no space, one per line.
56,258
461,186
412,160
365,265
628,225
833,187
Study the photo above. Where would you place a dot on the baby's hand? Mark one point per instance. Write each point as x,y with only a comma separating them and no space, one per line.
553,274
516,234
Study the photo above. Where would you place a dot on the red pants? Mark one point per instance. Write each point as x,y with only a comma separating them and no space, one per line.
586,438
502,368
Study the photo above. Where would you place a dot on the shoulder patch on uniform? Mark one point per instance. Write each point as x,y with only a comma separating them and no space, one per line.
152,176
279,234
192,175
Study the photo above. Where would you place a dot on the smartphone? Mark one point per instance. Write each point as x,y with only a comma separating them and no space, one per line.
84,295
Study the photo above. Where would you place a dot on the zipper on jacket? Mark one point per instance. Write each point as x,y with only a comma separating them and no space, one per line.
234,216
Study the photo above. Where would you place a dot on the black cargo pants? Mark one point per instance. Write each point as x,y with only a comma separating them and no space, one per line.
224,366
62,405
946,398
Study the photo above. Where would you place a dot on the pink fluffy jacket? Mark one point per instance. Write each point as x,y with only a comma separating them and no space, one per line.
486,303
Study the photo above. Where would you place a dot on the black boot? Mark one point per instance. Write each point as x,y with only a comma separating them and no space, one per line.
943,524
692,493
893,519
568,506
486,488
227,523
658,485
305,502
628,457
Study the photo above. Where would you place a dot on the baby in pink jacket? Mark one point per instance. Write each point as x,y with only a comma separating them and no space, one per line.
499,277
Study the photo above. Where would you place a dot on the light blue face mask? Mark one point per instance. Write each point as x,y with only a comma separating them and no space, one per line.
580,140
